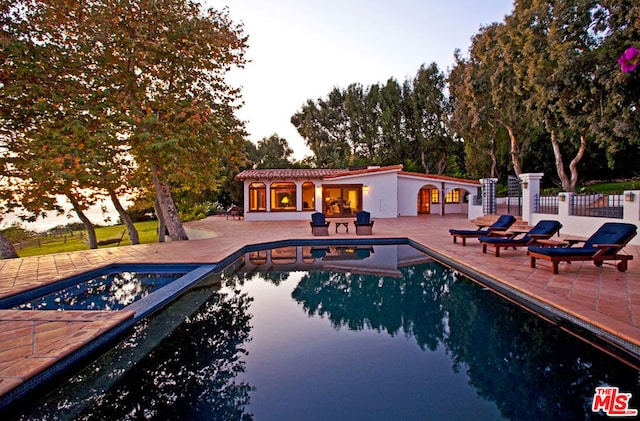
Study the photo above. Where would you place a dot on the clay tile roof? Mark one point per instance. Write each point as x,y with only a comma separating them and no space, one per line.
287,173
440,177
366,170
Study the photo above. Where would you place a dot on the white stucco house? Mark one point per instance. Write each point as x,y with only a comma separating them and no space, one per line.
385,192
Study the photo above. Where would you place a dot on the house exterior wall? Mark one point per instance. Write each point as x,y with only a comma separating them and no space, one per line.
379,192
385,194
408,188
282,216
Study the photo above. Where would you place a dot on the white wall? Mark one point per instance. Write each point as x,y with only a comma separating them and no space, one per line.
584,226
408,188
282,216
379,193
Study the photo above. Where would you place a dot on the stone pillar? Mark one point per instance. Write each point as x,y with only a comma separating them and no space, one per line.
530,183
488,195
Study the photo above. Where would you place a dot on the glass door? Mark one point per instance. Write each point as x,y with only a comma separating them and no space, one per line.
424,201
341,200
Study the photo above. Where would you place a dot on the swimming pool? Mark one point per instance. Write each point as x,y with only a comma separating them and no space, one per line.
342,332
111,291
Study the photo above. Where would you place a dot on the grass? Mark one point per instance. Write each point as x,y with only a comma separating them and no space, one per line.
77,240
617,187
605,188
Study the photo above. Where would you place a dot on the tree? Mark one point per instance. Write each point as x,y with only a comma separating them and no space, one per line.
145,74
171,59
428,121
479,134
393,130
325,129
362,106
272,152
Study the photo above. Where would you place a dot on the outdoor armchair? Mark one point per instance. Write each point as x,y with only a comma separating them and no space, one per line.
319,226
363,223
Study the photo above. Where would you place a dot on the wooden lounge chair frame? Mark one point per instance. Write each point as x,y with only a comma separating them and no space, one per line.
513,239
502,224
603,253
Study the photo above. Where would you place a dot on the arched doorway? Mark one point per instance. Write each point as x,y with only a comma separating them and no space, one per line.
425,197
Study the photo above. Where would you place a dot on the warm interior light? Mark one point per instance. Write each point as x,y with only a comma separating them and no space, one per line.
285,201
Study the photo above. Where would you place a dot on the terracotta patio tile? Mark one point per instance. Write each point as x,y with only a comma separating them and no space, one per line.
28,367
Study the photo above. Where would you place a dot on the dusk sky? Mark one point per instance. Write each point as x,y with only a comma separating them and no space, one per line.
301,49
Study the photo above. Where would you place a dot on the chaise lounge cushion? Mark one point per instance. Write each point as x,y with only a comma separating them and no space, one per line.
608,233
543,229
603,245
502,224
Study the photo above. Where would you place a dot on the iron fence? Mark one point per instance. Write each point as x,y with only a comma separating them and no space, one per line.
597,205
546,204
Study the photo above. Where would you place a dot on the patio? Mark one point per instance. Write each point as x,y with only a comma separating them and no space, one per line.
599,296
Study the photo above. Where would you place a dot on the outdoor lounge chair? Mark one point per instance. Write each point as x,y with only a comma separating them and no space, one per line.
603,245
502,224
363,223
542,230
318,224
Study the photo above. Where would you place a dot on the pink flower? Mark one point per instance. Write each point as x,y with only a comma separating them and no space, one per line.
629,60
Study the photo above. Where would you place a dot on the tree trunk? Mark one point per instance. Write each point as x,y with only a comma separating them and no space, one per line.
568,182
161,225
168,207
124,216
7,251
573,165
515,159
91,231
494,161
442,164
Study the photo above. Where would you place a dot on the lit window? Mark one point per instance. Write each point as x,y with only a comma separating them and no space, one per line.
435,196
308,196
257,197
453,196
283,197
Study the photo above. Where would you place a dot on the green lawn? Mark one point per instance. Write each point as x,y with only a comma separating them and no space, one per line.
77,240
613,187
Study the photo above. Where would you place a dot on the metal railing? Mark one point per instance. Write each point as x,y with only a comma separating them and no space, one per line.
547,204
597,205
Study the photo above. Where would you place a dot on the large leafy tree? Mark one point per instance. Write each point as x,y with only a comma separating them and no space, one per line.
324,126
171,58
106,86
489,92
428,121
362,105
271,152
479,134
45,118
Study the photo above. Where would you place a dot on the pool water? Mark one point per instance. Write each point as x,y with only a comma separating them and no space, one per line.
111,291
351,337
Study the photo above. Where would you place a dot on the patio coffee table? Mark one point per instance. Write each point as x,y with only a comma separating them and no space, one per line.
344,224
